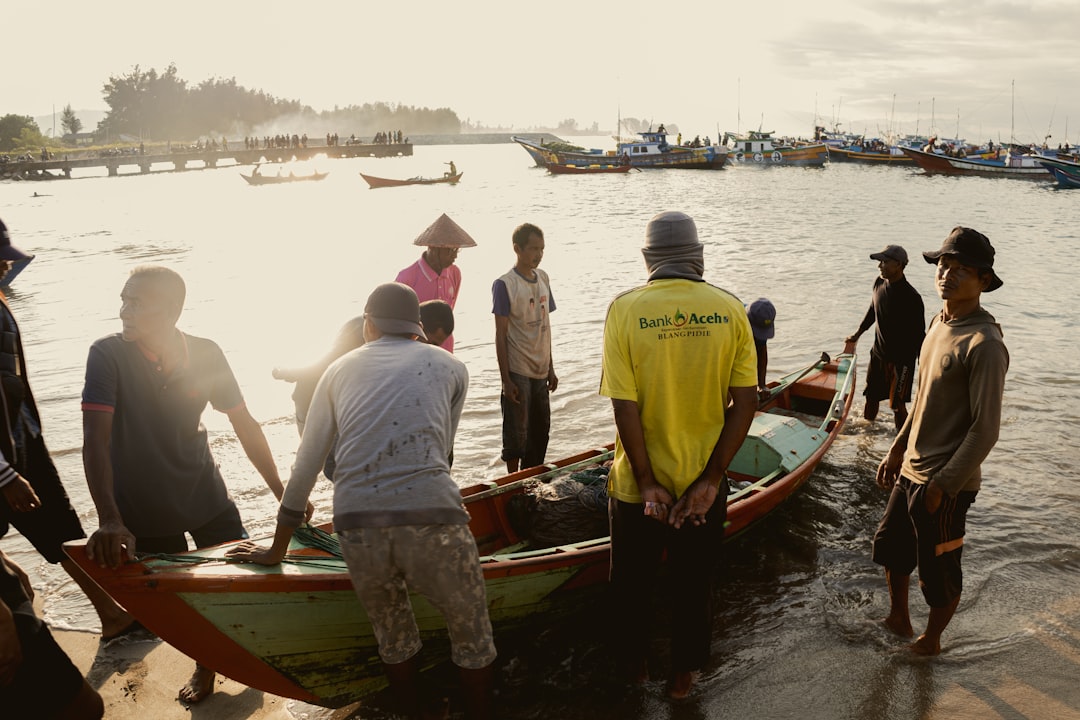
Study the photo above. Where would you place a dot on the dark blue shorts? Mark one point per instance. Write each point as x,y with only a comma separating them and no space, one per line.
226,527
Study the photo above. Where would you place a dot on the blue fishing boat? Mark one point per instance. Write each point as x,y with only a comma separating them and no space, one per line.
1066,172
1010,165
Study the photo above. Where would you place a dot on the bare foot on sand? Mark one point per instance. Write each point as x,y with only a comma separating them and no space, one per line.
899,626
199,686
925,646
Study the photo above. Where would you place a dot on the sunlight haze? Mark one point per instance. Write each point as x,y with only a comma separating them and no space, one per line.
702,67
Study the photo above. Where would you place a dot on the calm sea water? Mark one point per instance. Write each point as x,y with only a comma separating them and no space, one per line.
272,272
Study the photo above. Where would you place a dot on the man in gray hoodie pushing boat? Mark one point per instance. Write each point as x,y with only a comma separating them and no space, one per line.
393,406
933,466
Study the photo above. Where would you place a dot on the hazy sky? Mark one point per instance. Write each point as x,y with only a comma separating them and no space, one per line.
701,65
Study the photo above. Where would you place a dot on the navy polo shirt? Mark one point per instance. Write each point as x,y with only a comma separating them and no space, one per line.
165,480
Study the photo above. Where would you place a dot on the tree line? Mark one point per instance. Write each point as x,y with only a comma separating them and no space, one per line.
155,107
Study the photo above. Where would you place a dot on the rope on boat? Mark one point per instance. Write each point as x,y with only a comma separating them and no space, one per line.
307,535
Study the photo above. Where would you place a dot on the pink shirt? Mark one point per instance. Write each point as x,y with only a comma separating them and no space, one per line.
430,285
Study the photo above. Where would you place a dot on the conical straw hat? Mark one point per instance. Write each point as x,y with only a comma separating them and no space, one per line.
444,232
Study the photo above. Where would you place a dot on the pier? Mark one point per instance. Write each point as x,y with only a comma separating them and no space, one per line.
184,159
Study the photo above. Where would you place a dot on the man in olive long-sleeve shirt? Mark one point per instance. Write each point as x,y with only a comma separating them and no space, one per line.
933,466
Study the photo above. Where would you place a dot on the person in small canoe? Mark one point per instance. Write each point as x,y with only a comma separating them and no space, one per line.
933,467
669,375
897,310
398,514
146,455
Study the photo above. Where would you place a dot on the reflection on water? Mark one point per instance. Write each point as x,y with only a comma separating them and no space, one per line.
274,271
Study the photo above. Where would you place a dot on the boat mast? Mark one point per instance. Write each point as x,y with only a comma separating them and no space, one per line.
738,109
892,119
1012,115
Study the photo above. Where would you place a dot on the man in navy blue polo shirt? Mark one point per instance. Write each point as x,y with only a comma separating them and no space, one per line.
145,450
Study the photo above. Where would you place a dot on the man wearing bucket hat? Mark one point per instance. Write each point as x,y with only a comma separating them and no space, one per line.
933,466
398,514
435,276
897,309
32,496
674,350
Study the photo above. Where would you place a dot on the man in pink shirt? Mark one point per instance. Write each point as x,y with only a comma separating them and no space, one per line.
434,276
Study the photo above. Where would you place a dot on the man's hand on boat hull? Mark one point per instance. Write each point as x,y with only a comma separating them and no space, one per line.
111,545
250,552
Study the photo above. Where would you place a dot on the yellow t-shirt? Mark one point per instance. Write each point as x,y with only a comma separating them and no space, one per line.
675,347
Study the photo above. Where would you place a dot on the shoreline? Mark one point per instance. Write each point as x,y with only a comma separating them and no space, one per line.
139,677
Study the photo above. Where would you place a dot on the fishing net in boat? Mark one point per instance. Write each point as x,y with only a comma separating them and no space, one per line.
568,509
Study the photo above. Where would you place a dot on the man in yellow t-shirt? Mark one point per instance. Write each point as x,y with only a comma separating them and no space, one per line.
675,351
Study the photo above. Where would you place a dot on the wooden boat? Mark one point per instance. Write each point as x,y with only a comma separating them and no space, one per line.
17,267
378,182
1066,172
540,152
297,630
1012,165
651,150
254,179
557,169
757,148
888,155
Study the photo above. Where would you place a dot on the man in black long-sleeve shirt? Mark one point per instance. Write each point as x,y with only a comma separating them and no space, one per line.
897,309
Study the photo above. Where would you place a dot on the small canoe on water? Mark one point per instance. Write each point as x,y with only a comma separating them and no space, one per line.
254,179
378,182
297,629
558,169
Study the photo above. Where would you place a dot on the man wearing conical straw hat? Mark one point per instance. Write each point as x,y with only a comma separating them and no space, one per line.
435,276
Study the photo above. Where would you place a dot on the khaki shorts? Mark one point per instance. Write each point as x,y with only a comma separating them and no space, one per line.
439,562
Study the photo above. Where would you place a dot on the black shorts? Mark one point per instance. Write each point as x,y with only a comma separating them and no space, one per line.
47,680
889,381
55,522
224,528
909,537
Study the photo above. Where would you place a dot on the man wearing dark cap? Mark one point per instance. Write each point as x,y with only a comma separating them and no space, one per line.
32,496
933,466
674,350
762,315
394,406
897,308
